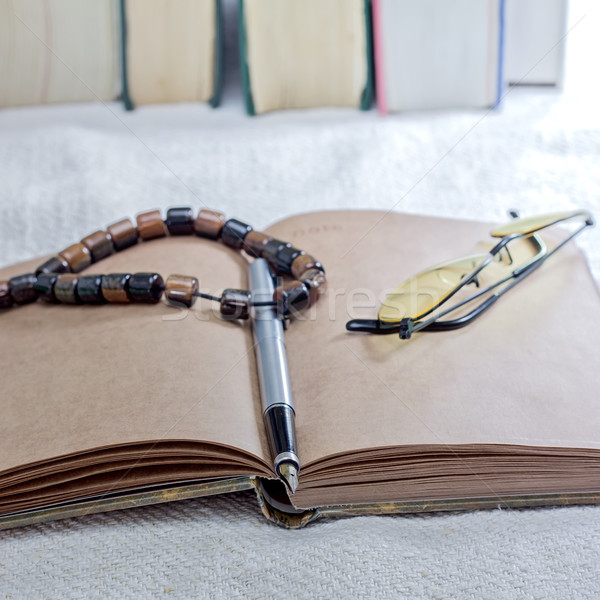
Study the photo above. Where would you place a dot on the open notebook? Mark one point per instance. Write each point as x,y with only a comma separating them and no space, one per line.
121,405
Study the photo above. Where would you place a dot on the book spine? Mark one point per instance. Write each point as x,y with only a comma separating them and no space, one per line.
215,99
367,96
378,58
127,102
246,89
501,36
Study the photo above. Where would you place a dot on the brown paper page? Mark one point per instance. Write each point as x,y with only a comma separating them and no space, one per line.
75,378
522,374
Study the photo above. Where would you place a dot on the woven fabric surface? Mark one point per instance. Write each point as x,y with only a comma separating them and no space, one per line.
67,170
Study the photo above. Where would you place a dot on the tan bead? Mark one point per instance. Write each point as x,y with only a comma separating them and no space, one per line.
181,289
304,263
209,223
123,234
114,287
150,225
254,243
77,256
99,244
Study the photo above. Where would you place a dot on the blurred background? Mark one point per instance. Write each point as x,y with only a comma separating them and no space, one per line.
70,167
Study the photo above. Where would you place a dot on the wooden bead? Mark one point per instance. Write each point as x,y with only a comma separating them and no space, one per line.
22,288
180,221
284,258
6,300
78,257
123,234
272,248
114,287
56,264
235,304
254,243
150,225
181,289
99,244
315,280
44,286
65,289
234,232
145,287
209,223
291,296
304,262
89,289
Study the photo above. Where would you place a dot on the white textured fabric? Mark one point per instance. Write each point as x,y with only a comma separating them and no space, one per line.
67,170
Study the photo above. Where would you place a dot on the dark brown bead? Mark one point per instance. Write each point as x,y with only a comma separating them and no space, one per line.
284,258
65,288
291,296
181,289
272,248
56,264
22,288
150,225
114,287
254,243
145,287
6,300
123,234
235,304
89,289
78,257
303,263
234,232
209,223
44,286
99,244
315,280
180,221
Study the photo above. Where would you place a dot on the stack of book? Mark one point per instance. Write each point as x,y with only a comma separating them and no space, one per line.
295,54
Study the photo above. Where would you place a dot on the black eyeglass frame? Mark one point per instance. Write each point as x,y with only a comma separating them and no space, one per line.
407,326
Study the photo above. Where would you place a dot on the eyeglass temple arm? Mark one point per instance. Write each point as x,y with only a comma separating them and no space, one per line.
407,326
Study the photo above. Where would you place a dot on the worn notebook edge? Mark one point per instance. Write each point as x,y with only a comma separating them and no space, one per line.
296,520
124,501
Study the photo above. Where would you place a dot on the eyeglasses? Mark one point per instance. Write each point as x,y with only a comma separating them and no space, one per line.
420,302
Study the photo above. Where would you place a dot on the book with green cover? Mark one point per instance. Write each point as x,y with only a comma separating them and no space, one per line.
305,54
171,51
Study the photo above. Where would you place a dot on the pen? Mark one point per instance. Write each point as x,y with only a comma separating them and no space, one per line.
273,376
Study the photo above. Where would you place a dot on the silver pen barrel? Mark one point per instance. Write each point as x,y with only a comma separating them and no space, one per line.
273,376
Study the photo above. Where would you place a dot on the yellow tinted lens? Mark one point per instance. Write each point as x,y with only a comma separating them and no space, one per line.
525,226
423,292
